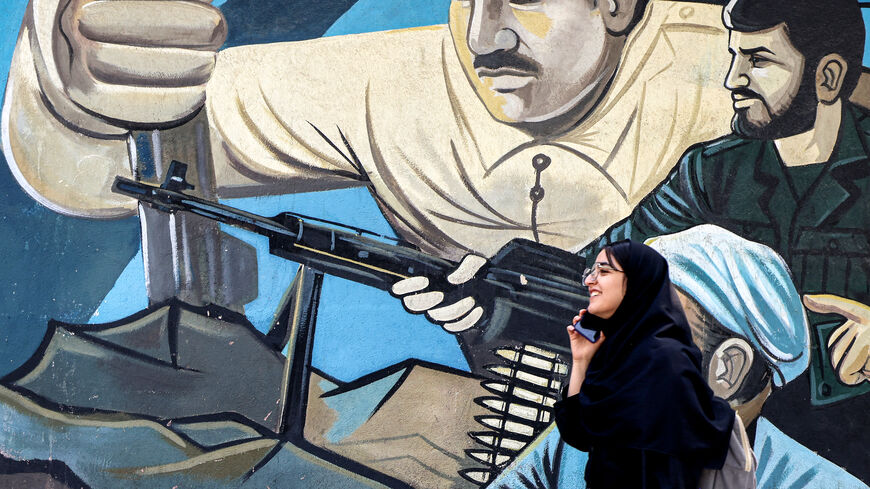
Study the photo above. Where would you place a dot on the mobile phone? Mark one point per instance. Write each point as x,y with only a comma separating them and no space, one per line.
590,334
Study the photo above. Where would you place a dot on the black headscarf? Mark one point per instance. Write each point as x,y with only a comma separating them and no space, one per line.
644,388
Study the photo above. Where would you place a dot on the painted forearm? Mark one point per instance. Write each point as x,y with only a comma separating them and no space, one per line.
676,205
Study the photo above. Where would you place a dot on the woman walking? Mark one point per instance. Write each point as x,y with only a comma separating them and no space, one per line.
637,400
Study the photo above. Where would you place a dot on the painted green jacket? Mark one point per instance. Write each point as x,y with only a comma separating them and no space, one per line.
741,185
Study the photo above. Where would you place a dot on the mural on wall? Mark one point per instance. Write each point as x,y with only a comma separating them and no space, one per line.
335,244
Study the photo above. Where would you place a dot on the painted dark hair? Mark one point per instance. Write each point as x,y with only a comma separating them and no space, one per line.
714,334
816,28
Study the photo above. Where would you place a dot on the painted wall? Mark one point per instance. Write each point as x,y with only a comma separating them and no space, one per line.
251,372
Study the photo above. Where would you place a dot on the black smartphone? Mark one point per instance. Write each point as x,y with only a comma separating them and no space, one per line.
590,334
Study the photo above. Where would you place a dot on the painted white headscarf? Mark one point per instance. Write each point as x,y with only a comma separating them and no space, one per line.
747,287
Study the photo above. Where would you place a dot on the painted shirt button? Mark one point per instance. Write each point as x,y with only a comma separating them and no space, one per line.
540,162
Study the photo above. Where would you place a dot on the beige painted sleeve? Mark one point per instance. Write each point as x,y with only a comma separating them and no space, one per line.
292,116
279,117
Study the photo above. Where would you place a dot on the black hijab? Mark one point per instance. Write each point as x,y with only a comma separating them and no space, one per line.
644,388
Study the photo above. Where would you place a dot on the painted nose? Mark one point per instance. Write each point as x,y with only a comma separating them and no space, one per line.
737,77
488,29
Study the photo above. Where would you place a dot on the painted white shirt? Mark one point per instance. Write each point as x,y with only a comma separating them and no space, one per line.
446,174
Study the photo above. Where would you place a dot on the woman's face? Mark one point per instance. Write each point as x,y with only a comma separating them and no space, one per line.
607,289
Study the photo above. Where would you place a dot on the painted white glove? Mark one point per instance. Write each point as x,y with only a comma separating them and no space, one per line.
126,62
454,317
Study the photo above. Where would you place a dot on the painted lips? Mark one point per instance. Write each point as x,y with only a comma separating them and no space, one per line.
744,98
505,71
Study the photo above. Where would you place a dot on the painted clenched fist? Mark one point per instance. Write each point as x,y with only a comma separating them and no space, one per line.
130,63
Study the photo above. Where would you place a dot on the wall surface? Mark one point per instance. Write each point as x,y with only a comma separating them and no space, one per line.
142,348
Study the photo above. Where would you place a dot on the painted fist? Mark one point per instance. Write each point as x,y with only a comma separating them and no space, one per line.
129,63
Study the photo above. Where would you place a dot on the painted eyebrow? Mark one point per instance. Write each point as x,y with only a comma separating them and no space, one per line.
760,49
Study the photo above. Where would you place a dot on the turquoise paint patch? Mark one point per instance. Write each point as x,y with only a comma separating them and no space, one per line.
127,296
351,206
361,330
382,15
354,407
11,11
326,385
274,276
865,13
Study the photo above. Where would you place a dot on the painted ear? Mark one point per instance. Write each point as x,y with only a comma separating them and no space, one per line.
829,78
617,15
729,366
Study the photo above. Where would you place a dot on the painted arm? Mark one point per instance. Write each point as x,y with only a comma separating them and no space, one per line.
85,74
679,203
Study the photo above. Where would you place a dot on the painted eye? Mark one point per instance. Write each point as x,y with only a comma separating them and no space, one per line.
758,61
525,4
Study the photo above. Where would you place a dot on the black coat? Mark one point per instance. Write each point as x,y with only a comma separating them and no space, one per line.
644,412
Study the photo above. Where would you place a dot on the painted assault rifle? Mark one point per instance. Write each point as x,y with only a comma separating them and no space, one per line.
531,291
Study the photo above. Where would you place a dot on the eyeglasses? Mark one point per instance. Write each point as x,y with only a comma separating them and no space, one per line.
595,271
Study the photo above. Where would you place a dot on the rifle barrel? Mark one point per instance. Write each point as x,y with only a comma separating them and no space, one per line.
332,250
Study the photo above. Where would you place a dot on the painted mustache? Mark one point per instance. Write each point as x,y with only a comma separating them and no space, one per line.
504,61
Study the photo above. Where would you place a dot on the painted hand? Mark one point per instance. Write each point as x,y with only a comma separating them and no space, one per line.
849,344
454,317
582,350
129,62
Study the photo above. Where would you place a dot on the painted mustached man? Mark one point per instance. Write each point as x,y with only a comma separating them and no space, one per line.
448,126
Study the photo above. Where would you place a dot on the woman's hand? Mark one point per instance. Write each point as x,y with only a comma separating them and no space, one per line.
582,350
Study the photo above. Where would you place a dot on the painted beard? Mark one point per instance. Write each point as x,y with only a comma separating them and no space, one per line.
799,116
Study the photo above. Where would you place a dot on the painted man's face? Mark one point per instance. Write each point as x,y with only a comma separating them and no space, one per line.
772,89
532,61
